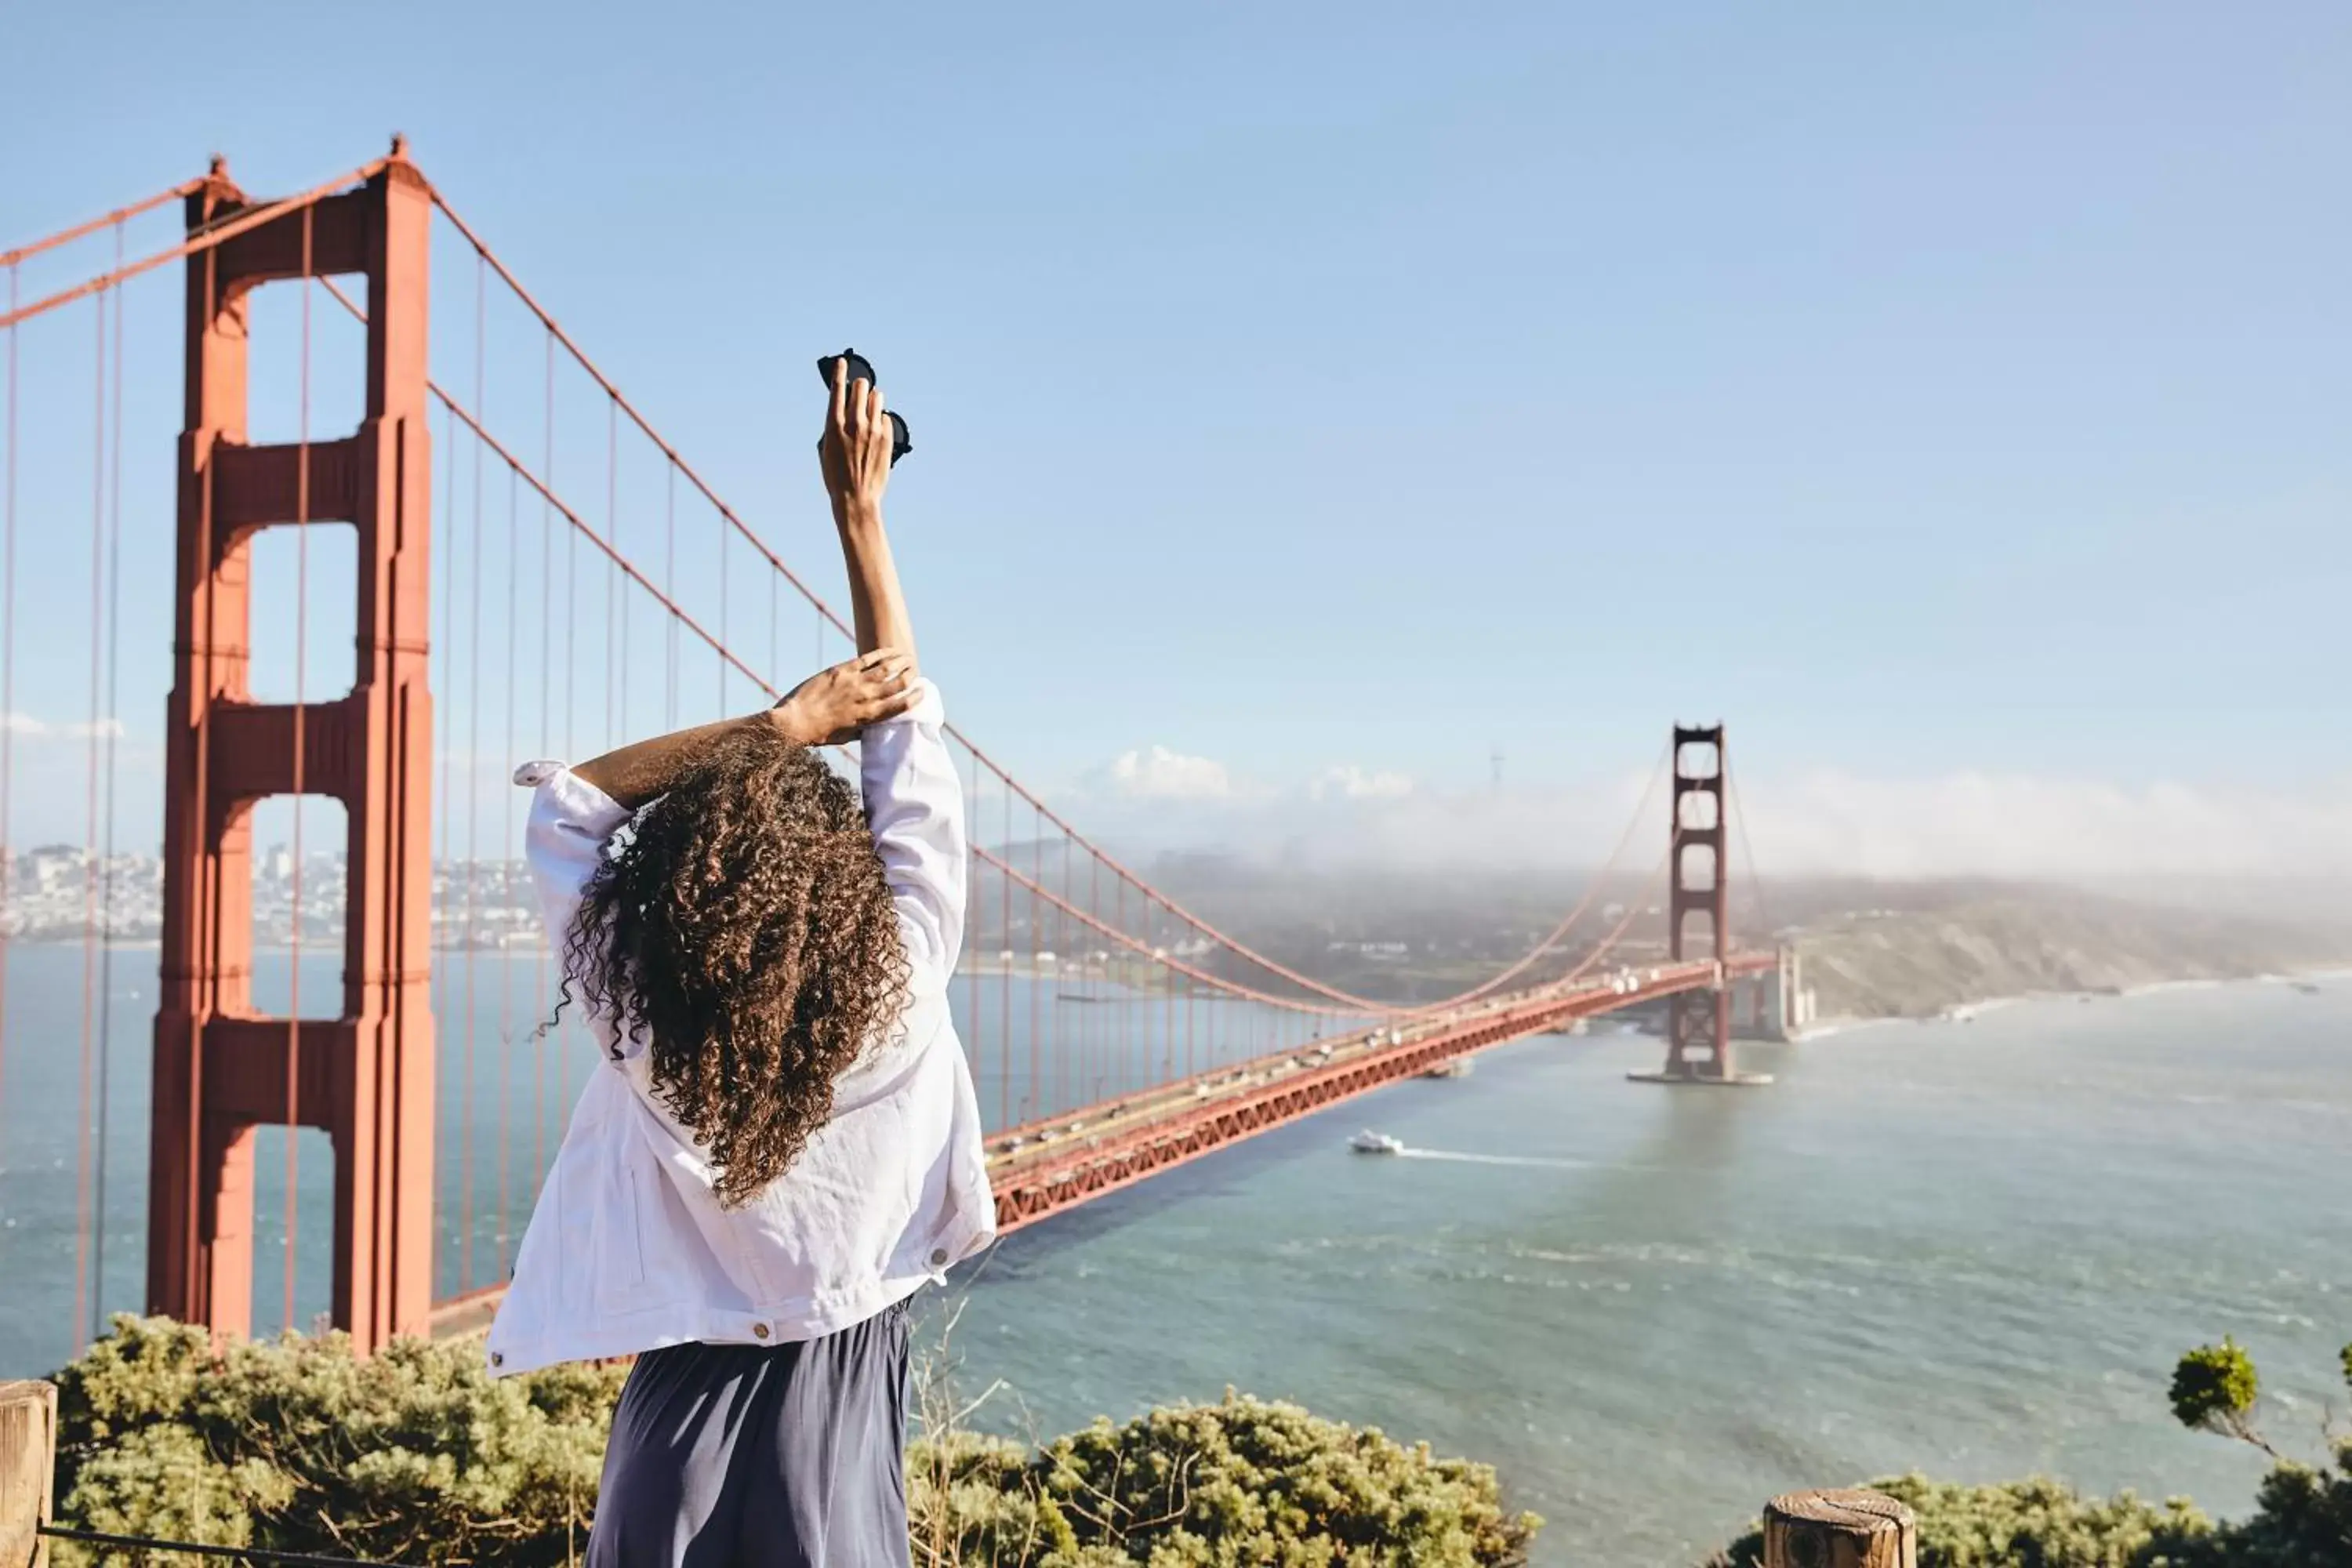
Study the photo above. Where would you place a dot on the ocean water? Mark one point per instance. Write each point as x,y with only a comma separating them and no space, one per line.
1972,1249
504,1088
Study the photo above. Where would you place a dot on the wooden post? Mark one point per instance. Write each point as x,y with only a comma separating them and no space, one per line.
1849,1529
29,1467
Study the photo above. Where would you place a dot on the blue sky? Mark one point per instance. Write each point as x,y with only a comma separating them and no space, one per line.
1948,398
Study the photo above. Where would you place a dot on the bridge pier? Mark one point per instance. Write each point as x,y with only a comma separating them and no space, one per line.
1771,1005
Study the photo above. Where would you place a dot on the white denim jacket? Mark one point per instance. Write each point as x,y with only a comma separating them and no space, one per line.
628,1249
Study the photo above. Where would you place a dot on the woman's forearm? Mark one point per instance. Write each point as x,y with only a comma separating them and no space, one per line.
877,602
827,708
645,770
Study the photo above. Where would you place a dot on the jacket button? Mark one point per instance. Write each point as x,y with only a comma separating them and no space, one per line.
939,1258
759,1330
497,1358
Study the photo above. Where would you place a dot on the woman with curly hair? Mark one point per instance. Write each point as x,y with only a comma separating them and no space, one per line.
782,1144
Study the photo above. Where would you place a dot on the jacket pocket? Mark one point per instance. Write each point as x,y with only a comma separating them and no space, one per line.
618,1244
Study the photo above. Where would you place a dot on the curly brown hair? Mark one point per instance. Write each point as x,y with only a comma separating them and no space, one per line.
744,931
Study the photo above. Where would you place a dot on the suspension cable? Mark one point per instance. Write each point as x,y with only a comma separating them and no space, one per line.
617,405
1747,848
118,217
204,240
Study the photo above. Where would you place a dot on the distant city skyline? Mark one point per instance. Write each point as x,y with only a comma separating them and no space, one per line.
1313,402
60,893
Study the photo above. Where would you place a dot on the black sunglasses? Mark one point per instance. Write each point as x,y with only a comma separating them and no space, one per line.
861,369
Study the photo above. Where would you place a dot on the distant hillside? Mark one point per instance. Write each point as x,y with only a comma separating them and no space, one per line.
1871,949
1915,963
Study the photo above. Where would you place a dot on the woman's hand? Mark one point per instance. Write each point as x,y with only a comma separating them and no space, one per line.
832,706
855,452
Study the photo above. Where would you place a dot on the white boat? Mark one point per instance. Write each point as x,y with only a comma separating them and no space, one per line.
1459,1066
1375,1144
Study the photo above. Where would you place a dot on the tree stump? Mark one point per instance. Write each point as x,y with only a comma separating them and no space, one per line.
1848,1529
28,1463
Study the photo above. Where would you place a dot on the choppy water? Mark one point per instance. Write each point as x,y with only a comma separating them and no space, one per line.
1973,1248
491,1145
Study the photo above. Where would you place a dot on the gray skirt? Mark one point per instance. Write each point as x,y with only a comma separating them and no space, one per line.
789,1456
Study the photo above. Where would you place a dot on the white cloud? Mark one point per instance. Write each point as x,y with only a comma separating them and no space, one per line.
79,729
2020,826
1822,823
1158,773
1352,782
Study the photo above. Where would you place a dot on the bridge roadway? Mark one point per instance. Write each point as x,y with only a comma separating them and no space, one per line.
1040,1169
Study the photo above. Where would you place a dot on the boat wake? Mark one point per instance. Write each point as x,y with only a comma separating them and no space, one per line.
1535,1161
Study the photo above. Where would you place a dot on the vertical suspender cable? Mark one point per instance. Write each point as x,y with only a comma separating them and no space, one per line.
628,599
616,628
571,646
723,596
7,668
81,1322
1747,848
506,959
1095,908
1036,870
669,587
546,720
972,899
1061,965
1126,965
474,744
1004,971
301,694
113,724
448,815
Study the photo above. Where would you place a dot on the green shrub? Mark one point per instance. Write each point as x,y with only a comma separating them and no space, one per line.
2302,1518
1242,1481
2214,1388
2037,1522
2303,1515
416,1456
294,1444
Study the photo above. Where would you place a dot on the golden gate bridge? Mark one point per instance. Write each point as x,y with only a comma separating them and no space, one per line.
1210,1041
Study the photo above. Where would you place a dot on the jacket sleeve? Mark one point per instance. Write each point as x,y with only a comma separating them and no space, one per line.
914,804
570,822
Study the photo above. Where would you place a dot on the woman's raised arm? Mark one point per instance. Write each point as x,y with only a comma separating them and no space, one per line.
856,455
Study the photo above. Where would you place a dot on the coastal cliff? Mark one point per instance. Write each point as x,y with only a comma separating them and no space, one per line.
1918,963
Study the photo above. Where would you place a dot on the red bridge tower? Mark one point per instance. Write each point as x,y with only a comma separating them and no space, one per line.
1698,1023
221,1068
